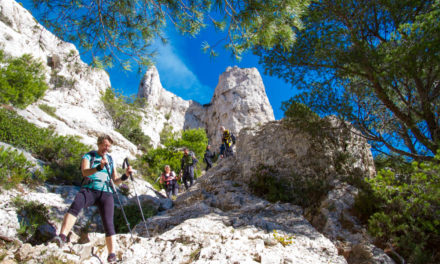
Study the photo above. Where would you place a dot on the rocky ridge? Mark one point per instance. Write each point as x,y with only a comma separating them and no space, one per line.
239,101
75,91
75,88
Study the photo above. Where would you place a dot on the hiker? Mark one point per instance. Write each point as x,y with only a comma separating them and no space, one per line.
208,157
228,141
187,164
169,178
96,190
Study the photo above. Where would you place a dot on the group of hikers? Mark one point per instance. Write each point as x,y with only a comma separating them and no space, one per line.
188,161
100,178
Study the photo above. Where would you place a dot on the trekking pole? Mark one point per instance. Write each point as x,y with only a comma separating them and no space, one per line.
158,178
137,197
119,200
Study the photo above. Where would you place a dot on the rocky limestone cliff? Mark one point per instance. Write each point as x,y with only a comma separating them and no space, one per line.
75,88
165,107
239,101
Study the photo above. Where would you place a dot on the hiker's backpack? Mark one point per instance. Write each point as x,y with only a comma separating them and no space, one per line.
229,138
170,178
92,160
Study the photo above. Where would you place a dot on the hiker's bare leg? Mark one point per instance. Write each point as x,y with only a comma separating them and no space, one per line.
109,241
68,222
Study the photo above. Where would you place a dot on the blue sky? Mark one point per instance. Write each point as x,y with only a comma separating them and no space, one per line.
191,74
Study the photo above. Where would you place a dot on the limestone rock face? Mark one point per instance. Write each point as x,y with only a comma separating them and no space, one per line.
75,88
164,107
239,101
335,220
75,91
292,151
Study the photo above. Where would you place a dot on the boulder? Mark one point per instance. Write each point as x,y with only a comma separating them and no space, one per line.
334,218
295,153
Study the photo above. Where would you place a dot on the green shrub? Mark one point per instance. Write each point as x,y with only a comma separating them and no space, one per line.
48,109
61,81
296,189
142,141
133,215
18,132
126,117
31,214
409,214
63,153
151,164
194,139
296,111
14,168
167,135
22,80
57,260
124,189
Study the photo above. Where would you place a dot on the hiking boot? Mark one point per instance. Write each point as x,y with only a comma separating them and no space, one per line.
60,240
111,258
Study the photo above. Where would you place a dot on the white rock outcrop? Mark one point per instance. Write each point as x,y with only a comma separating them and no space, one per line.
164,107
333,152
239,101
75,88
334,218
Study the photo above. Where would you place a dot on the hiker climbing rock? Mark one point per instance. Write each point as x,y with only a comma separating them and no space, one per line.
208,157
96,168
228,141
187,164
168,178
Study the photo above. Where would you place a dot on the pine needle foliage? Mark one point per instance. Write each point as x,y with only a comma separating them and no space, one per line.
124,31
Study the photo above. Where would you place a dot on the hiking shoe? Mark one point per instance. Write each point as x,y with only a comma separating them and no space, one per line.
60,240
111,258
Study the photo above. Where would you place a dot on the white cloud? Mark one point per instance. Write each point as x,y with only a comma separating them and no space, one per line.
177,78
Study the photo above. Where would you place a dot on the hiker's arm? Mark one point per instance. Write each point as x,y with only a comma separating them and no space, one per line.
85,168
119,180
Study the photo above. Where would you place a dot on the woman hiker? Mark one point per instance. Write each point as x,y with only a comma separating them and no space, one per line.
97,190
168,178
